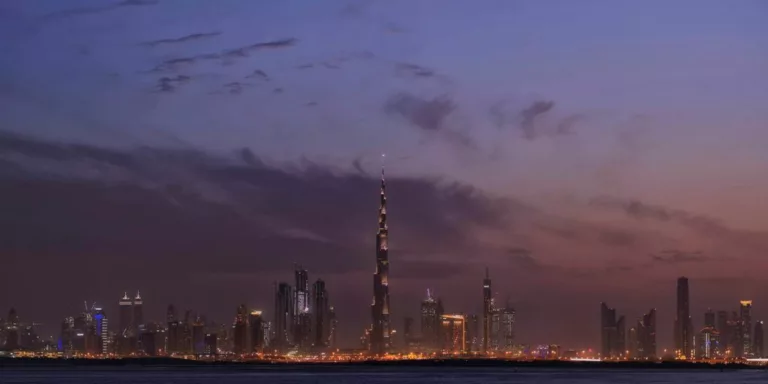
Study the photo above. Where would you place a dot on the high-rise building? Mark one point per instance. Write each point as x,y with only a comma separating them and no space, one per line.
646,335
380,325
175,337
474,337
487,309
409,338
724,330
334,324
454,333
735,335
430,322
102,329
198,337
612,333
170,314
683,327
633,341
709,319
126,316
12,325
211,344
745,326
255,323
241,330
757,340
506,336
138,314
283,316
708,343
320,322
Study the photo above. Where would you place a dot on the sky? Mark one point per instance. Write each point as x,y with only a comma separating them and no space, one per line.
195,150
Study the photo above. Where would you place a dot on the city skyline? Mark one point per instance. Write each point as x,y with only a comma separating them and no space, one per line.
581,152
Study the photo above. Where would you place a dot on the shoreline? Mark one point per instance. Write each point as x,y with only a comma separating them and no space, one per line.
181,364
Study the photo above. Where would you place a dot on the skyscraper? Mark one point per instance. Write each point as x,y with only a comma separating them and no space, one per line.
333,325
126,316
724,330
256,325
683,329
430,322
283,316
709,319
302,318
612,333
745,325
320,324
138,314
102,330
453,329
487,309
241,330
380,327
647,335
757,340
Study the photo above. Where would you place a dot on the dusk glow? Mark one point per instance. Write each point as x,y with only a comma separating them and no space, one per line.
542,158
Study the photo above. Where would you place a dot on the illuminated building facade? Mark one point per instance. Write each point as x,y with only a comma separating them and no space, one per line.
745,327
430,322
453,329
380,326
102,329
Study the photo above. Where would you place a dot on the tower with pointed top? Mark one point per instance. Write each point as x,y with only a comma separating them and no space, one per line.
138,314
487,309
380,327
126,316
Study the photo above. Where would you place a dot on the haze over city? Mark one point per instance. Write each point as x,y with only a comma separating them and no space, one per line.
583,152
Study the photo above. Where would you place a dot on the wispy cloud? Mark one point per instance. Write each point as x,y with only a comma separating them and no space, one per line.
225,56
183,39
674,256
169,84
530,113
81,11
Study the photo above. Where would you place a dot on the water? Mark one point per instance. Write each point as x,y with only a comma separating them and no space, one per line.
378,375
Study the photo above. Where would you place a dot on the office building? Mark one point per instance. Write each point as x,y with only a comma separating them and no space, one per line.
683,328
321,319
612,333
745,327
487,310
211,344
241,330
453,329
256,326
430,322
283,322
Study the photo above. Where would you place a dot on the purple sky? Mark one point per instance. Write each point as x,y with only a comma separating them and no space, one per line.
586,151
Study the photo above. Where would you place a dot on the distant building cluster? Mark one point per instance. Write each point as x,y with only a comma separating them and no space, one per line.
724,336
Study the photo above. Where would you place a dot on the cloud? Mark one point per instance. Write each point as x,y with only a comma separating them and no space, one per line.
529,115
259,74
430,269
565,126
413,70
169,84
81,11
617,238
428,115
674,256
641,211
183,39
225,56
235,87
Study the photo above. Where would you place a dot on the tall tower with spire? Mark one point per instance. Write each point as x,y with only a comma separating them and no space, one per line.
487,309
380,327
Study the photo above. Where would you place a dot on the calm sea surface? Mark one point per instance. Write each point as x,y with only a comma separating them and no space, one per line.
378,375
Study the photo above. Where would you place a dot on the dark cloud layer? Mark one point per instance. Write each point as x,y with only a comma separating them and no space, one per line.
183,39
674,256
429,115
167,221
